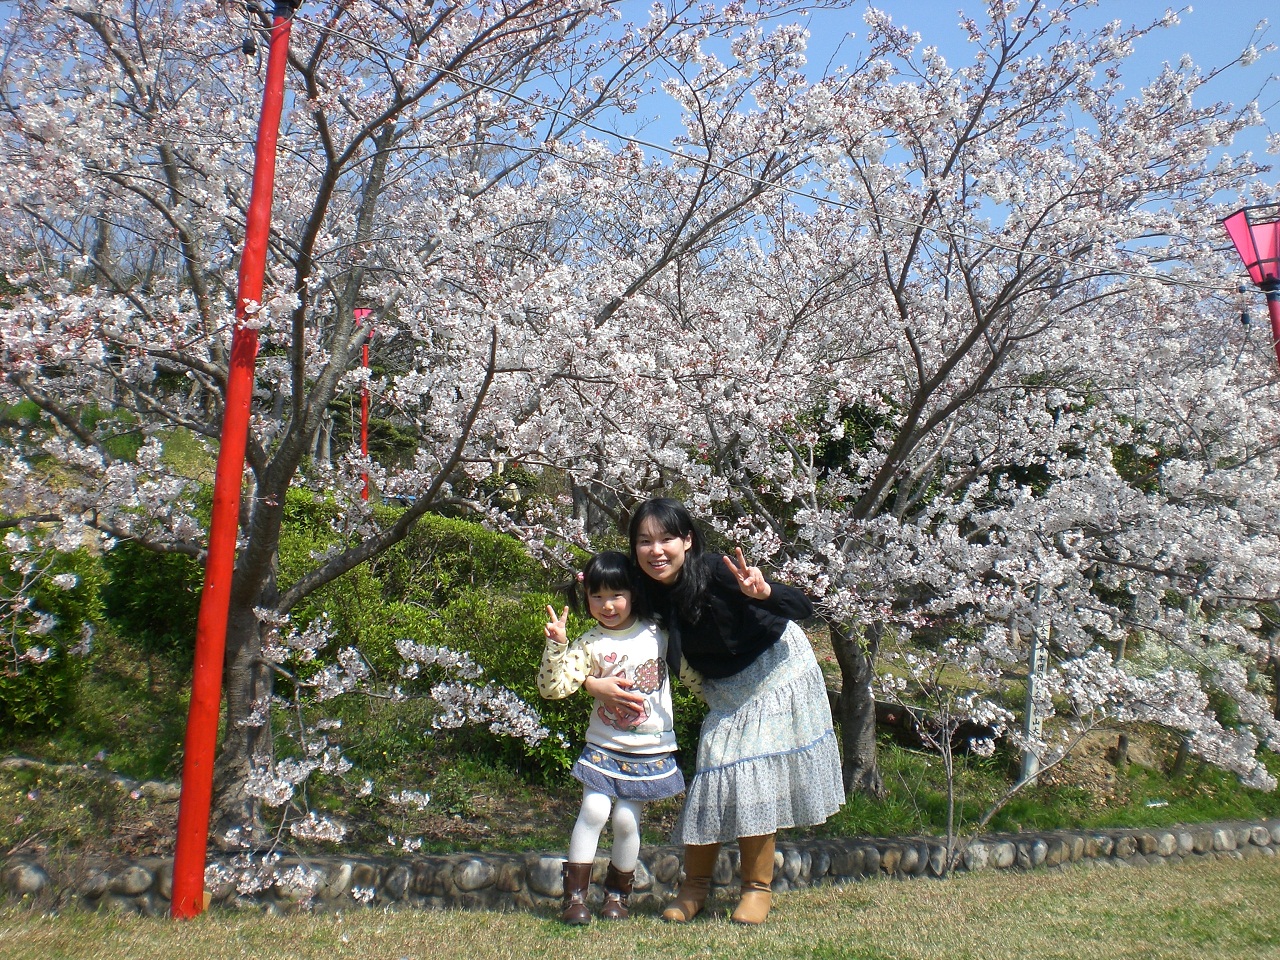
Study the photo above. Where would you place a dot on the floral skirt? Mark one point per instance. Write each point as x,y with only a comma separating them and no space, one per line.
624,776
768,756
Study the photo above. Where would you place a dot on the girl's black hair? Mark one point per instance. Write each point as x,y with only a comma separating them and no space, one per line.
673,517
607,570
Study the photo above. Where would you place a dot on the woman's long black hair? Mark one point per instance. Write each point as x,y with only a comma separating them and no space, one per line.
672,517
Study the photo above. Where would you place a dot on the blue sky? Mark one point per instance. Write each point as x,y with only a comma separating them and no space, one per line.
1213,32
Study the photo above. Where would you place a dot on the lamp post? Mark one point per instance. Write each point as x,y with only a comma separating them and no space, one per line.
215,598
361,314
1255,232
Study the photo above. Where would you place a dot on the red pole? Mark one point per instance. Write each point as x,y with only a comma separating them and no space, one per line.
1273,308
361,314
211,626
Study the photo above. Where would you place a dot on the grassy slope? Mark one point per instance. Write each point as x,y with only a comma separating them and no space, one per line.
132,714
1210,911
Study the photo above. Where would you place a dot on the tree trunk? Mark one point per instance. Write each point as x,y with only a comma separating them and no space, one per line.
856,708
1180,758
1122,753
245,680
1275,686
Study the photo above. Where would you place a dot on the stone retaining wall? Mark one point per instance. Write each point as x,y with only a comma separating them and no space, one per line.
531,881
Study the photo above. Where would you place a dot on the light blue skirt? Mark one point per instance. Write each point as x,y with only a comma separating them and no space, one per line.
767,756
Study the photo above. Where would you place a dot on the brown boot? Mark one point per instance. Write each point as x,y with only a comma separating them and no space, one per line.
577,879
757,876
617,888
699,862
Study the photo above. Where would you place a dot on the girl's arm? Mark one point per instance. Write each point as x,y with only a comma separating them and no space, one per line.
564,665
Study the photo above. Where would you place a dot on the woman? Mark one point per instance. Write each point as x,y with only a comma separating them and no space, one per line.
767,755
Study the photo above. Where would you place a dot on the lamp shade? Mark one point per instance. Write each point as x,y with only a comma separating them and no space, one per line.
1255,232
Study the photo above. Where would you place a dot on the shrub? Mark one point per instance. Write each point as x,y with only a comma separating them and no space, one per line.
40,696
154,599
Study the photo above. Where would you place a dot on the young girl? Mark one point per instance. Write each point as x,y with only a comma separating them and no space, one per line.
629,757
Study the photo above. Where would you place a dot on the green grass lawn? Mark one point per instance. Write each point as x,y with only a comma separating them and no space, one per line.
1205,911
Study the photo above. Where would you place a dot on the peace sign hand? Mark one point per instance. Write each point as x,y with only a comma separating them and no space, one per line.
555,627
750,580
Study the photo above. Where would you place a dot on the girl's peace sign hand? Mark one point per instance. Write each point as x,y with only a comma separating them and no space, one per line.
750,580
555,627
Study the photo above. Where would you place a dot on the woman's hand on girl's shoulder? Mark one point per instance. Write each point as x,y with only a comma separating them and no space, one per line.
555,628
750,580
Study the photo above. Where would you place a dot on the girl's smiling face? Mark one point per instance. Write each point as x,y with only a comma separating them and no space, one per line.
611,608
659,553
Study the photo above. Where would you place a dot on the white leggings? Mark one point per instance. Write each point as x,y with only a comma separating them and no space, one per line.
591,820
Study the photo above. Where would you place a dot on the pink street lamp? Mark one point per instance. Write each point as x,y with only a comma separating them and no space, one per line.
1255,231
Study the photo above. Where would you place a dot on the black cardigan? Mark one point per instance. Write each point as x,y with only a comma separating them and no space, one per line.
733,629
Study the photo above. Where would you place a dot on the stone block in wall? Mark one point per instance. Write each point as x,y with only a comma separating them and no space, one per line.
95,885
132,880
726,868
337,881
510,877
1260,836
870,860
846,861
1146,843
820,862
473,874
1224,838
890,858
364,875
792,866
164,879
1004,854
1166,844
1186,843
977,856
937,859
643,880
909,860
1057,852
1124,848
1274,827
666,868
25,879
544,875
396,883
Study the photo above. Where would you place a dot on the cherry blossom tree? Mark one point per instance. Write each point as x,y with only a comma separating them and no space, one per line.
438,164
982,344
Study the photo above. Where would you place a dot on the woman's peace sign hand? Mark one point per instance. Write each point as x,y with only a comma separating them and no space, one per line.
750,580
555,626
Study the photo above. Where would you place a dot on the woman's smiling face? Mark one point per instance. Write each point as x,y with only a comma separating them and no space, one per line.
659,553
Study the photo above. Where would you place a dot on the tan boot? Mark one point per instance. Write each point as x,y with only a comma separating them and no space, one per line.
699,862
617,888
757,876
577,880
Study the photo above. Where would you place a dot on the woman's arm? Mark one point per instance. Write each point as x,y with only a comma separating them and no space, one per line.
778,598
